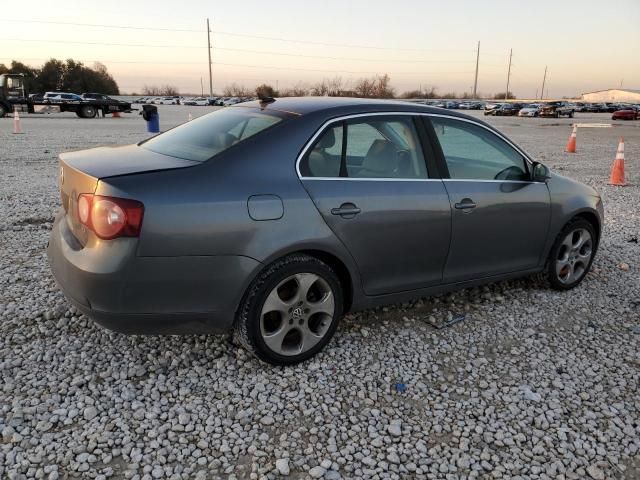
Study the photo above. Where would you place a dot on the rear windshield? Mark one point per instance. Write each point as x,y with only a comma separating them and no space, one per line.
209,135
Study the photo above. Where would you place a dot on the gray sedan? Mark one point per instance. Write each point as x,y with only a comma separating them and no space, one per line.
273,218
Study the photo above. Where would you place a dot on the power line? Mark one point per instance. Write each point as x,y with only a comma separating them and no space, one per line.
235,34
126,27
269,67
326,44
147,62
260,52
266,52
335,71
146,45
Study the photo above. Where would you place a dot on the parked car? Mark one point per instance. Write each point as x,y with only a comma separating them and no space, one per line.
167,101
530,110
53,96
580,107
507,110
96,96
626,113
227,102
470,106
257,219
200,101
556,110
490,107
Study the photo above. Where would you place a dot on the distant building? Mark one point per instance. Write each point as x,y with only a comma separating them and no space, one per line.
612,95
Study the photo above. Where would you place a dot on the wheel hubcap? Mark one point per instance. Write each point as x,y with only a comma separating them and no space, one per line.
574,256
297,314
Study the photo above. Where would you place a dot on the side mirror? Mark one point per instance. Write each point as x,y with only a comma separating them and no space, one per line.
540,172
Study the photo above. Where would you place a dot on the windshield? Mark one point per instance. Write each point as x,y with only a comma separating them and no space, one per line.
207,136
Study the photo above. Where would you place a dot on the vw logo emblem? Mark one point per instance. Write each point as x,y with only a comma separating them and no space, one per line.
298,313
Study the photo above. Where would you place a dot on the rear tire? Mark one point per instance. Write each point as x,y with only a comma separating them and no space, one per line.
290,311
88,111
572,255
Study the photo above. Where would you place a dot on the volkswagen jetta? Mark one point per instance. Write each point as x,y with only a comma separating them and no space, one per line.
273,218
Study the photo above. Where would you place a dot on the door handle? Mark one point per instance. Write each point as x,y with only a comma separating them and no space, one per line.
346,210
465,204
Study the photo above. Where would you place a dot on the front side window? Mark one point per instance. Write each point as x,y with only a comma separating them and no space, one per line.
474,153
369,147
209,135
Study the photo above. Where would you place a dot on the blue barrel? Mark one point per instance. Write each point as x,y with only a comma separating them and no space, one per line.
153,124
150,115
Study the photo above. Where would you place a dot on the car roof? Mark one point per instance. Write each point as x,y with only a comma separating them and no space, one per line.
342,105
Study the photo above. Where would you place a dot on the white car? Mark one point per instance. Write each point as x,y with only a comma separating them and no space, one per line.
166,101
54,96
230,101
529,111
200,101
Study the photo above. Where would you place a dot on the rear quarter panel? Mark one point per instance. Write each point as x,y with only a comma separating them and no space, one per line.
203,211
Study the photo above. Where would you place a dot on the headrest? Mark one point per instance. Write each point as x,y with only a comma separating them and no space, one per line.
327,140
381,157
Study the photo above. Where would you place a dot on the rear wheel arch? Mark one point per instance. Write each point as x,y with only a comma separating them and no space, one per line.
345,275
341,270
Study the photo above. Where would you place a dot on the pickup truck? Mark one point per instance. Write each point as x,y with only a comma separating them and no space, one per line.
557,109
13,93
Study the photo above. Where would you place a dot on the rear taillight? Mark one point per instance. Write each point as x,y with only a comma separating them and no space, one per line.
110,217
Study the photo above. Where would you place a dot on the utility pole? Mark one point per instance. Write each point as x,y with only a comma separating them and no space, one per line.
201,88
544,79
209,51
506,93
475,83
536,93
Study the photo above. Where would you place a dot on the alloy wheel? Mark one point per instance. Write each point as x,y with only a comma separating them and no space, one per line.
574,256
297,314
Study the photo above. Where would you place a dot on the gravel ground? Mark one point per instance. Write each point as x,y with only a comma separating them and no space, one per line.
531,384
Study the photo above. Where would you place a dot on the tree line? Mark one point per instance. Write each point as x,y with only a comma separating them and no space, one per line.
65,76
372,87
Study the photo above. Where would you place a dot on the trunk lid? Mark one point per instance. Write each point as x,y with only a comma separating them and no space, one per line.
81,171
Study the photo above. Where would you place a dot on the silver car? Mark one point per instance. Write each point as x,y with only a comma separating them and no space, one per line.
273,218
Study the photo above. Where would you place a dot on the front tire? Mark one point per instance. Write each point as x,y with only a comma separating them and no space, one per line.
290,311
572,254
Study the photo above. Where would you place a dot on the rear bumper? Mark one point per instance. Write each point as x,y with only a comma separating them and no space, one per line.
148,295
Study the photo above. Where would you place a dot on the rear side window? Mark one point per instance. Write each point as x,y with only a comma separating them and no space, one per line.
369,148
474,153
209,135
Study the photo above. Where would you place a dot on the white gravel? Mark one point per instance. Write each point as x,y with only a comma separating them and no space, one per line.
532,384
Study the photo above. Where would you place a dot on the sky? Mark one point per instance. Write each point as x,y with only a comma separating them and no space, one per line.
587,45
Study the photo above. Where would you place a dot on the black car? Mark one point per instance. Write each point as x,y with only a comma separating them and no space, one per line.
505,110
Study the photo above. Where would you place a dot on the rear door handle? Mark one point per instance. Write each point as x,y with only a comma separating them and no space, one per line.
465,204
346,210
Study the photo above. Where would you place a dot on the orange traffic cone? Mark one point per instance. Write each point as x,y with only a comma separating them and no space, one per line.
116,115
571,144
17,126
617,172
